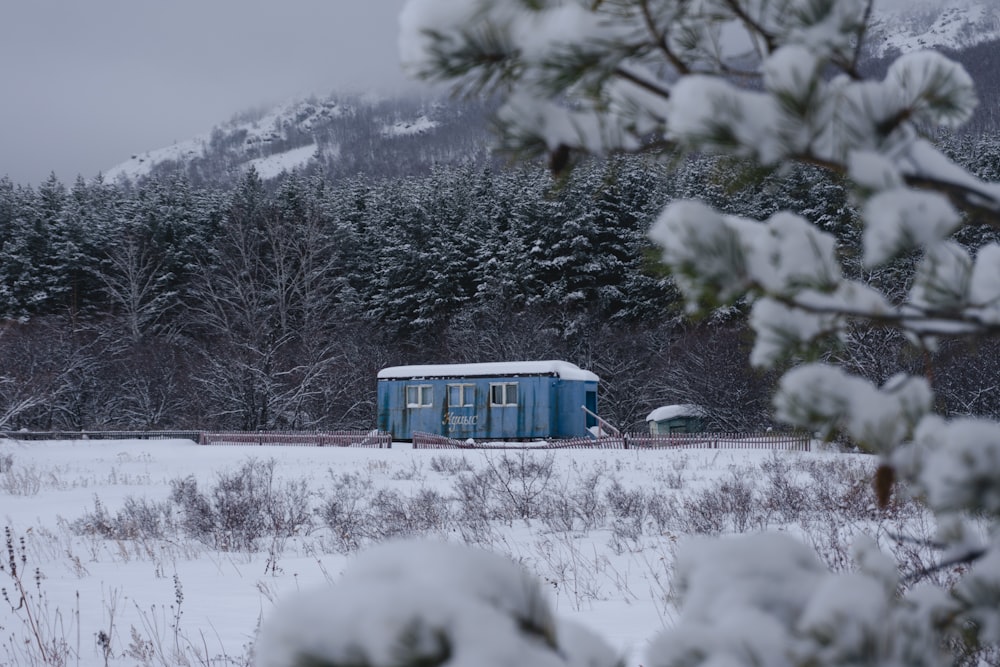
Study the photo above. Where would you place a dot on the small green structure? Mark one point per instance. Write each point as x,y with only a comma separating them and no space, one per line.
676,419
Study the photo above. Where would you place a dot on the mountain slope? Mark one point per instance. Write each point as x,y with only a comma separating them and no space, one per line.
950,25
340,135
344,136
967,31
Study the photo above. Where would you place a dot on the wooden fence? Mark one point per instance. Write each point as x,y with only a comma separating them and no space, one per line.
382,440
372,439
432,441
101,435
789,441
795,441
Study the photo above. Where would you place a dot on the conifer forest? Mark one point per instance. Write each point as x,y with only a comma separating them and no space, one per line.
271,305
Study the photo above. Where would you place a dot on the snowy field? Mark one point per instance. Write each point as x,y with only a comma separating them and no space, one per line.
133,552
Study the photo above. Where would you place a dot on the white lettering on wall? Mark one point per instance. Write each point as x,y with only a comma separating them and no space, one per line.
452,421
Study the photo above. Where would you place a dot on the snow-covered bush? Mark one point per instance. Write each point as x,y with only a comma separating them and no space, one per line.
138,519
774,83
243,507
23,481
427,603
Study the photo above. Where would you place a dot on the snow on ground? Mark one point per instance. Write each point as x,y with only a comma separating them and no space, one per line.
274,165
409,127
141,164
155,596
933,24
258,133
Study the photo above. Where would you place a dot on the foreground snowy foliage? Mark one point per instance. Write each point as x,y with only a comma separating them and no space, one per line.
167,553
777,83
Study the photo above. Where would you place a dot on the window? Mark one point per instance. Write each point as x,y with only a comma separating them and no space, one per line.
461,395
419,395
503,393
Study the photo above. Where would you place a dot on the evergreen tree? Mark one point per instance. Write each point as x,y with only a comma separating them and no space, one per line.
26,285
79,234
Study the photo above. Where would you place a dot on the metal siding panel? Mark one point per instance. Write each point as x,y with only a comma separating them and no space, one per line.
382,407
503,418
460,422
567,404
547,407
533,410
527,393
401,421
529,419
484,424
393,418
572,418
430,419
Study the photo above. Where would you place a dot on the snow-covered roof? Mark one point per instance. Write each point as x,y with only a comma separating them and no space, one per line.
671,411
561,369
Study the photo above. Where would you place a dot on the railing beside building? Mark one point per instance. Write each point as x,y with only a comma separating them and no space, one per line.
770,440
433,441
381,440
372,439
787,441
101,435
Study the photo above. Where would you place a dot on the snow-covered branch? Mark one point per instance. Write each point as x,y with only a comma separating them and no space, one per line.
774,82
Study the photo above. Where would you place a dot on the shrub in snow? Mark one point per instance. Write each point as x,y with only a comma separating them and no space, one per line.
24,481
358,514
576,507
775,83
244,506
138,519
344,510
451,465
511,486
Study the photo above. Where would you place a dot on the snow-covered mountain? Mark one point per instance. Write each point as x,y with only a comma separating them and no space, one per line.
968,31
264,141
953,25
345,135
339,134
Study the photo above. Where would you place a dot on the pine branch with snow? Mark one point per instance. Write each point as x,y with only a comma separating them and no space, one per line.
776,83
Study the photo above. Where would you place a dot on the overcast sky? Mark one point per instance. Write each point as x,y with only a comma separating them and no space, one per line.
86,83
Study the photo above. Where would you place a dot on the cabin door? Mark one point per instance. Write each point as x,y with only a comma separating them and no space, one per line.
590,400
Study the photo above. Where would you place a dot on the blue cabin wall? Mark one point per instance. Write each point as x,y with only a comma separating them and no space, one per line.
547,407
573,422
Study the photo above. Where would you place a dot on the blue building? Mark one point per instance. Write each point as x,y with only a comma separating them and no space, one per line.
490,401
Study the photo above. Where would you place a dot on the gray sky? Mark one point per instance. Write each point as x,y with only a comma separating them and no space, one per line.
86,83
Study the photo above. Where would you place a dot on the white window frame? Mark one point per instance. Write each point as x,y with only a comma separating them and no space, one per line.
504,395
424,396
466,395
